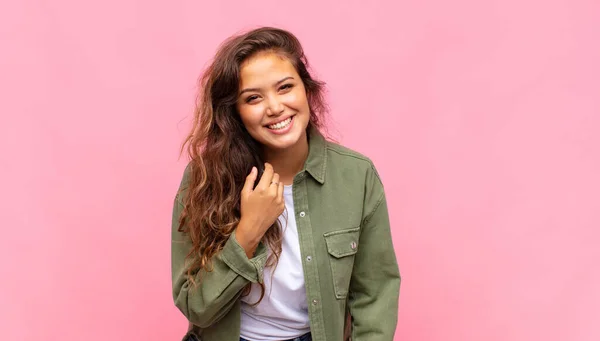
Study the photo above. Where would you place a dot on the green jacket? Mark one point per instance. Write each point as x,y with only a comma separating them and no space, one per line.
347,255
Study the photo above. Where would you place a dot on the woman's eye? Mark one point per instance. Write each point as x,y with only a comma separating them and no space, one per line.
251,98
286,86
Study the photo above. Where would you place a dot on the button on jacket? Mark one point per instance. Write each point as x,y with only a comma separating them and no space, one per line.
348,258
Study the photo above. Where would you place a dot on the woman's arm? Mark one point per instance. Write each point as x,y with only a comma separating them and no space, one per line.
216,291
236,264
375,282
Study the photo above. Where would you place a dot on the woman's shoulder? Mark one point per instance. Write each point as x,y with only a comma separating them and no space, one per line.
341,159
338,153
184,182
347,167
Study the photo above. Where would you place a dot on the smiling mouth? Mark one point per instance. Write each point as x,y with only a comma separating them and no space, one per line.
281,125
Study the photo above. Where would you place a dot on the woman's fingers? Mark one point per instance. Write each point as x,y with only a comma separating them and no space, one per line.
274,183
250,180
280,193
267,177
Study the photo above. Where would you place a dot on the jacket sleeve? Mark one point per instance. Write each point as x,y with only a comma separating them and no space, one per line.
375,282
216,291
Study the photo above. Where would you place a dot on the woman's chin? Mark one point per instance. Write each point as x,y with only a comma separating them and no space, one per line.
283,142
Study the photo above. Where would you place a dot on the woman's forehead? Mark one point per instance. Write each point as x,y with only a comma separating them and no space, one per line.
266,67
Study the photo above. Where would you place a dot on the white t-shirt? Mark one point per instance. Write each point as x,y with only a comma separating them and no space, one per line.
283,312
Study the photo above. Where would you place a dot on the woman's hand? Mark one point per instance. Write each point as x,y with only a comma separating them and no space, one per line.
260,207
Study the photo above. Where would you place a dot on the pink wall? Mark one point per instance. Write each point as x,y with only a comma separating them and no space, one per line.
483,118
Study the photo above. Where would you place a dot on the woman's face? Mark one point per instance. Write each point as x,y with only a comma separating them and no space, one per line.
272,101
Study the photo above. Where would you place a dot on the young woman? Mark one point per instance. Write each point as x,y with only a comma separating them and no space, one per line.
278,233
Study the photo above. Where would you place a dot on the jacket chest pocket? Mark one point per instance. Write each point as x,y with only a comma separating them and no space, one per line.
342,245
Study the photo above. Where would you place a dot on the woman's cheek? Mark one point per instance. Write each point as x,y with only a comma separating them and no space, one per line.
291,98
251,114
258,111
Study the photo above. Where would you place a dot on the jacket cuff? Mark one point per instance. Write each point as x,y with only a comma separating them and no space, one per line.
234,255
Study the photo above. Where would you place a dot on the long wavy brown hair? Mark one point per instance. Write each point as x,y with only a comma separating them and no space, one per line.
222,152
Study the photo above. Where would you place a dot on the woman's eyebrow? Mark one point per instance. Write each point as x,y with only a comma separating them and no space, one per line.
257,89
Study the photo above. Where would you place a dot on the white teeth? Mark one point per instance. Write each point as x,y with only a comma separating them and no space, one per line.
281,125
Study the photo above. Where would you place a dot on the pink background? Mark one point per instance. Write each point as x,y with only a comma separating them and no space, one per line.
483,118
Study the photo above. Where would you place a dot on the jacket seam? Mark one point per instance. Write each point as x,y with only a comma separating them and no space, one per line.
370,215
363,158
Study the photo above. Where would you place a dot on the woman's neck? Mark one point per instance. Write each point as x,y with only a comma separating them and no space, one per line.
288,162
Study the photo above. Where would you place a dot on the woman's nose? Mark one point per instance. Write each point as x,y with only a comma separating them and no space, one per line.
275,107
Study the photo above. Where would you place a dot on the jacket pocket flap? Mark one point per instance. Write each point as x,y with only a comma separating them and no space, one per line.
342,243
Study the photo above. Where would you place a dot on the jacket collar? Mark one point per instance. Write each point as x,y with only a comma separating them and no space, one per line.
316,162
